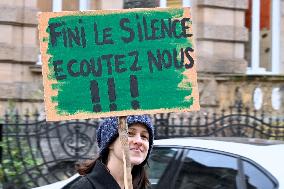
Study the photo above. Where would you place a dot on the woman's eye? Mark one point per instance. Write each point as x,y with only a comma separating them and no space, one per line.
131,133
145,137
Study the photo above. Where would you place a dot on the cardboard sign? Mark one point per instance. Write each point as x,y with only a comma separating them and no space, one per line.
117,63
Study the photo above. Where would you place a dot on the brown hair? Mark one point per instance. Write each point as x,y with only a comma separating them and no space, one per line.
85,167
139,175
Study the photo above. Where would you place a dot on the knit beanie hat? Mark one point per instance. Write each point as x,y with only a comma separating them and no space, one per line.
107,132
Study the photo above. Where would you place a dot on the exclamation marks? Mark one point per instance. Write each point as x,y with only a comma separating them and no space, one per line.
134,92
94,87
111,94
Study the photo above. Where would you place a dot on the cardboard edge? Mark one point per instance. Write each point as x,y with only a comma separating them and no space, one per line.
47,83
194,107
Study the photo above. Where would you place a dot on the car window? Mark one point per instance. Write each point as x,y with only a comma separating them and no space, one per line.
256,178
202,169
159,160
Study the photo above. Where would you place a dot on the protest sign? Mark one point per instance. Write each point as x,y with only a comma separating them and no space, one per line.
117,63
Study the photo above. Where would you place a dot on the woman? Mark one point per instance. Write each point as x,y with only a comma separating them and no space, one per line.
107,170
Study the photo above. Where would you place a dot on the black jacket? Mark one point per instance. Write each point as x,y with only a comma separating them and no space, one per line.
98,178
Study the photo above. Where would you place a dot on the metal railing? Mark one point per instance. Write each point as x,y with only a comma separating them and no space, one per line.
237,122
35,152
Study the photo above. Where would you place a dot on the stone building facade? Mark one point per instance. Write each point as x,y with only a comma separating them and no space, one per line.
222,45
20,80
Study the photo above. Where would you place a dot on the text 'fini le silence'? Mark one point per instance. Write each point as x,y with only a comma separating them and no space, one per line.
144,29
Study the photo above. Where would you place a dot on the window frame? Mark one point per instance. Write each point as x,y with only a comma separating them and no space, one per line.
166,181
275,23
261,169
237,158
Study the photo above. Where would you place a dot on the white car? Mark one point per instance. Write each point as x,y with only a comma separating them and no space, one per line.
67,183
211,163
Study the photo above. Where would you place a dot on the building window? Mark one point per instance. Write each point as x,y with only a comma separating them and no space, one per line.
263,50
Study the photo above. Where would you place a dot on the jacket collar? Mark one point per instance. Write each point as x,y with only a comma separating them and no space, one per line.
100,177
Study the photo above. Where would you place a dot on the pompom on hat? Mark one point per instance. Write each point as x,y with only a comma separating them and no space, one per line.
107,132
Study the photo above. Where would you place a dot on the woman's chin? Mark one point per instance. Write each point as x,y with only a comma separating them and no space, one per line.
136,161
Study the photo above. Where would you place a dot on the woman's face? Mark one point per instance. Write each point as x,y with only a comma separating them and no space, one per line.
138,139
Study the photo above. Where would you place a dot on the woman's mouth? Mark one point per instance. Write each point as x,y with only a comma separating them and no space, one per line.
135,149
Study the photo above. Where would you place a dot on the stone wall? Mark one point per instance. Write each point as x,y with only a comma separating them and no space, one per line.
221,35
19,84
251,91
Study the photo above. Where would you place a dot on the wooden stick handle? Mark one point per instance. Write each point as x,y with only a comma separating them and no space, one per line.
123,137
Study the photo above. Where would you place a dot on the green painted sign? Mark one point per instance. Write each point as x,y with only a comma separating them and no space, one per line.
106,63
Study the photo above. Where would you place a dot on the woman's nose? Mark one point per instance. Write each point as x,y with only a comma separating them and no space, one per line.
137,139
